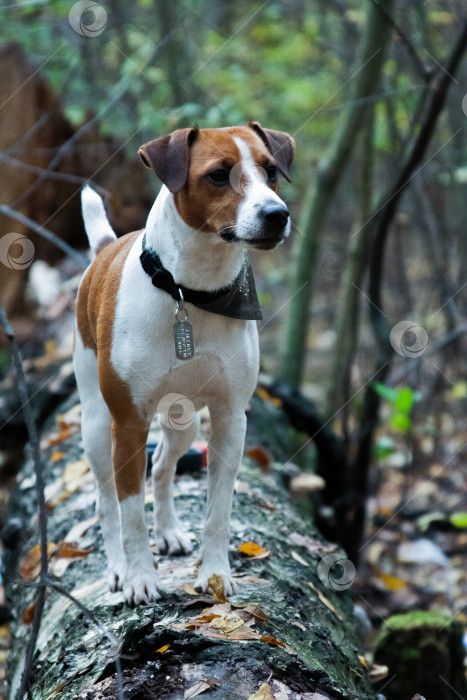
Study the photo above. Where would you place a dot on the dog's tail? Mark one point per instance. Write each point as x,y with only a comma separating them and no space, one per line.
96,223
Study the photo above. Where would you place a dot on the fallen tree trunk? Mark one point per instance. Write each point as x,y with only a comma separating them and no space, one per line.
285,627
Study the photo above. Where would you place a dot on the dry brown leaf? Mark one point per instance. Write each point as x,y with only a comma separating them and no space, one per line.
31,564
274,641
28,614
324,600
200,687
216,586
266,396
162,649
188,588
64,433
264,693
261,456
298,558
362,660
57,456
253,579
71,550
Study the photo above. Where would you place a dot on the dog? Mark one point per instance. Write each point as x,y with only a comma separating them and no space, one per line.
170,312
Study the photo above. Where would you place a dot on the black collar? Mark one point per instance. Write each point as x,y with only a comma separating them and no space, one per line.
236,300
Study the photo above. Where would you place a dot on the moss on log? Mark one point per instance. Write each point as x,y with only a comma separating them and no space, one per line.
306,645
425,655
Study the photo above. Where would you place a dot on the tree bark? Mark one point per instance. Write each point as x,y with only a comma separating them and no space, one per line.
313,623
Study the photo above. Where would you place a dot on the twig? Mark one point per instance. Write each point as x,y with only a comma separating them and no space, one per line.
45,233
425,72
36,452
49,174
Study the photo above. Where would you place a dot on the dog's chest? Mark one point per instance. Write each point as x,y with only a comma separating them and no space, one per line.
225,355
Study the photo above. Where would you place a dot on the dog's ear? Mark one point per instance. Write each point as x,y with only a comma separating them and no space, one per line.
280,144
169,157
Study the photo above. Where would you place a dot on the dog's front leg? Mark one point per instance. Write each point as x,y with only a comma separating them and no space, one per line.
224,455
141,583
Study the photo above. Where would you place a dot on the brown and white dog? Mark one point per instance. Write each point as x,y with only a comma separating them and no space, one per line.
219,197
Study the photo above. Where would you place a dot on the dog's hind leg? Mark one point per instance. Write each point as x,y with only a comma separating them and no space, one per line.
176,441
97,439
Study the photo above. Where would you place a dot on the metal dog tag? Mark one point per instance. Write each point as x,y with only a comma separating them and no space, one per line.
183,335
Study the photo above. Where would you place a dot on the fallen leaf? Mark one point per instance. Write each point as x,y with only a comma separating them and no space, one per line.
63,434
266,396
162,649
31,564
392,583
200,687
378,672
261,456
57,456
273,640
324,600
28,614
75,471
254,550
253,579
71,550
79,529
298,558
216,586
188,588
362,660
264,693
311,544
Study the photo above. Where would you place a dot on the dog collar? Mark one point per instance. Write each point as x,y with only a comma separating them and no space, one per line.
237,300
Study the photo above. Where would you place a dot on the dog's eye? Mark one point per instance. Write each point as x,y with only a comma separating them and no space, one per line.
272,173
219,177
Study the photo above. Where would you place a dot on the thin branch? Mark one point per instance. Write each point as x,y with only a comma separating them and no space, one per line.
49,174
36,453
45,233
424,71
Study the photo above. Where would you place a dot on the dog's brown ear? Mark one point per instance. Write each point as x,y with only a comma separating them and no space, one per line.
169,157
280,144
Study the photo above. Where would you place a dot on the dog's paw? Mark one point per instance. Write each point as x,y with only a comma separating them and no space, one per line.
172,540
207,570
141,588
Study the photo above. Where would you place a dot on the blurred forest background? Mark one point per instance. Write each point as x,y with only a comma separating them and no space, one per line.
363,343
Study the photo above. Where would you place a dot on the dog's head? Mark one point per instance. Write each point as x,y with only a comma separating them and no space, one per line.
225,181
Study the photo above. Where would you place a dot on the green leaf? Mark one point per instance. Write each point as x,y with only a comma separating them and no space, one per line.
400,421
404,401
386,392
458,519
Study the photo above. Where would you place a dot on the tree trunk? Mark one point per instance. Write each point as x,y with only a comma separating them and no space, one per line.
321,192
306,645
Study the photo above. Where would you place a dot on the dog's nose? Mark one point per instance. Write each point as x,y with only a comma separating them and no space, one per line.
275,216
